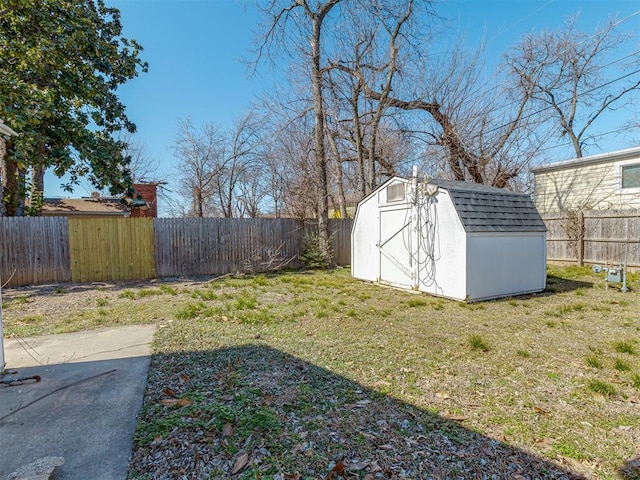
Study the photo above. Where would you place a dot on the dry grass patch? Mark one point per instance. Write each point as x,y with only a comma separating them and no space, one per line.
314,372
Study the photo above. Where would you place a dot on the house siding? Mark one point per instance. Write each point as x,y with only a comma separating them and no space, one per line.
591,183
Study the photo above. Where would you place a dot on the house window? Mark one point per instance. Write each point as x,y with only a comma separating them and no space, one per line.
630,176
395,192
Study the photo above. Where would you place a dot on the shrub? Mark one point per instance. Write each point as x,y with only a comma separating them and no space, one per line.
312,256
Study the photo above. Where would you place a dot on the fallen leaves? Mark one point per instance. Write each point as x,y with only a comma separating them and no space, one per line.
176,402
339,470
359,404
169,392
457,418
227,430
240,463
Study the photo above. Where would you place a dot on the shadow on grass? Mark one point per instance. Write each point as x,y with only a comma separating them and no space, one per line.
255,412
561,284
631,469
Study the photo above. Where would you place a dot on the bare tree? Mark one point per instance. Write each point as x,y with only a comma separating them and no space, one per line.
200,163
570,76
142,166
310,25
238,153
479,139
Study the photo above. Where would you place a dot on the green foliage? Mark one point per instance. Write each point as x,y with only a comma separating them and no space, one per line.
62,62
593,361
476,342
128,294
602,388
193,310
624,346
149,292
416,302
204,294
312,256
35,205
246,301
621,365
169,290
563,310
102,302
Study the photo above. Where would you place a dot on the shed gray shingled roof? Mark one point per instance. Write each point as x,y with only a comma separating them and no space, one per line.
488,209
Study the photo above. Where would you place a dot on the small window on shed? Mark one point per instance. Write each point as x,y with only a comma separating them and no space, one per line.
395,192
630,176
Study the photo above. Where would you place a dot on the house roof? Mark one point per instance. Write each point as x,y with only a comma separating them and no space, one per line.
488,209
84,206
616,156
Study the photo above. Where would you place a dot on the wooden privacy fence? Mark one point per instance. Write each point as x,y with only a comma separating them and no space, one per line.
56,249
193,246
111,249
593,237
34,250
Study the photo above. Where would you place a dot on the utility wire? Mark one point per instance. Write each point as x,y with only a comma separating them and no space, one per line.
477,94
566,100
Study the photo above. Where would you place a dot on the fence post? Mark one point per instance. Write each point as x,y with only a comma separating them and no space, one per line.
580,239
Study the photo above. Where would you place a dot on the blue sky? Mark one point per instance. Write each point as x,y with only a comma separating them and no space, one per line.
194,50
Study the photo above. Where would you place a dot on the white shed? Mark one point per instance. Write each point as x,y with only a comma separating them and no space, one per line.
458,240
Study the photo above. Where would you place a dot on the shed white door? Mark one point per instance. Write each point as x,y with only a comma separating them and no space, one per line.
394,246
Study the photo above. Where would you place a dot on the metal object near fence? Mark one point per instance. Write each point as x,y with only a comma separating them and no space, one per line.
613,274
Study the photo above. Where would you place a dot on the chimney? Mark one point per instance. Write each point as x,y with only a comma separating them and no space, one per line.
149,193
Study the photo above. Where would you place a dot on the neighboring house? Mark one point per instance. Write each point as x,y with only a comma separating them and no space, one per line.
453,239
351,202
599,182
143,204
87,207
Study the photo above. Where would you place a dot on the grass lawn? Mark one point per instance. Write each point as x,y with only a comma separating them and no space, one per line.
315,375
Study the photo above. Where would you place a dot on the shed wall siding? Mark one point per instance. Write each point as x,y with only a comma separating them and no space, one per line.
442,258
506,264
364,240
587,187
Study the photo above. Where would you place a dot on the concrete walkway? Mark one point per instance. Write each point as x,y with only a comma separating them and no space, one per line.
84,408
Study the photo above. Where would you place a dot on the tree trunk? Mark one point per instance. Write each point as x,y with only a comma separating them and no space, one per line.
321,159
371,160
199,201
11,182
37,189
342,202
357,133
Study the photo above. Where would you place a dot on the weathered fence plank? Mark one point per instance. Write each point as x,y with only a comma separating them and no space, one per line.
340,231
57,249
34,251
607,237
217,246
